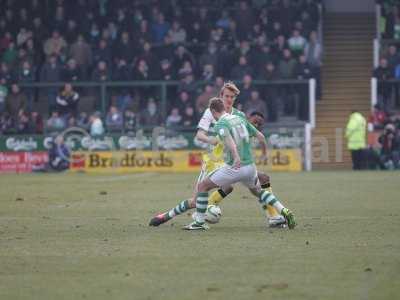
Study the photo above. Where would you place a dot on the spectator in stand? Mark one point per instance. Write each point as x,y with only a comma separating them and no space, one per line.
22,124
81,52
151,116
102,53
10,55
189,118
242,69
27,75
55,45
55,123
16,101
160,28
177,33
303,71
96,125
141,71
6,123
270,92
114,120
149,57
36,123
203,99
245,89
393,57
313,50
377,119
3,95
124,49
382,73
166,70
244,19
390,152
72,72
255,104
121,71
211,56
208,74
286,71
130,121
313,53
67,101
51,72
144,34
72,31
101,73
83,121
174,119
6,74
188,84
181,56
184,100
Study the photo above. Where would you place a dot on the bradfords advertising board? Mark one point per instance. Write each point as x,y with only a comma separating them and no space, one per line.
172,161
22,162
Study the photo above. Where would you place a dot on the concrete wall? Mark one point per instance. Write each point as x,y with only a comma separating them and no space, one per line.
362,6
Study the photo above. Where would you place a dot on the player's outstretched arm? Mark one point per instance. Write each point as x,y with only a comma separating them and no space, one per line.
263,143
202,136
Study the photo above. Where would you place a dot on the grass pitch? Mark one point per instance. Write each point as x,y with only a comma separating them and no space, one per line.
76,236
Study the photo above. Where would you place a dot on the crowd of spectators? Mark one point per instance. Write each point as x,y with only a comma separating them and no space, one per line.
187,41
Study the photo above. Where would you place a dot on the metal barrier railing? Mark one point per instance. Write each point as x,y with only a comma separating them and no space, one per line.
104,89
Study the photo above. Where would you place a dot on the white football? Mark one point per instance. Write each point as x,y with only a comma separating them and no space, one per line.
213,214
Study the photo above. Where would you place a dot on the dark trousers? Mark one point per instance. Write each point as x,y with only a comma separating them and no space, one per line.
357,156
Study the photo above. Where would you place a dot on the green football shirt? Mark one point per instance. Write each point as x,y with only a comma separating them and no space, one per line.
240,130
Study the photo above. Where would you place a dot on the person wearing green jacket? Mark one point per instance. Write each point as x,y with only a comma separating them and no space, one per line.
356,131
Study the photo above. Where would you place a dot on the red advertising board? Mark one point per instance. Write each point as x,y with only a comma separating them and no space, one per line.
22,162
